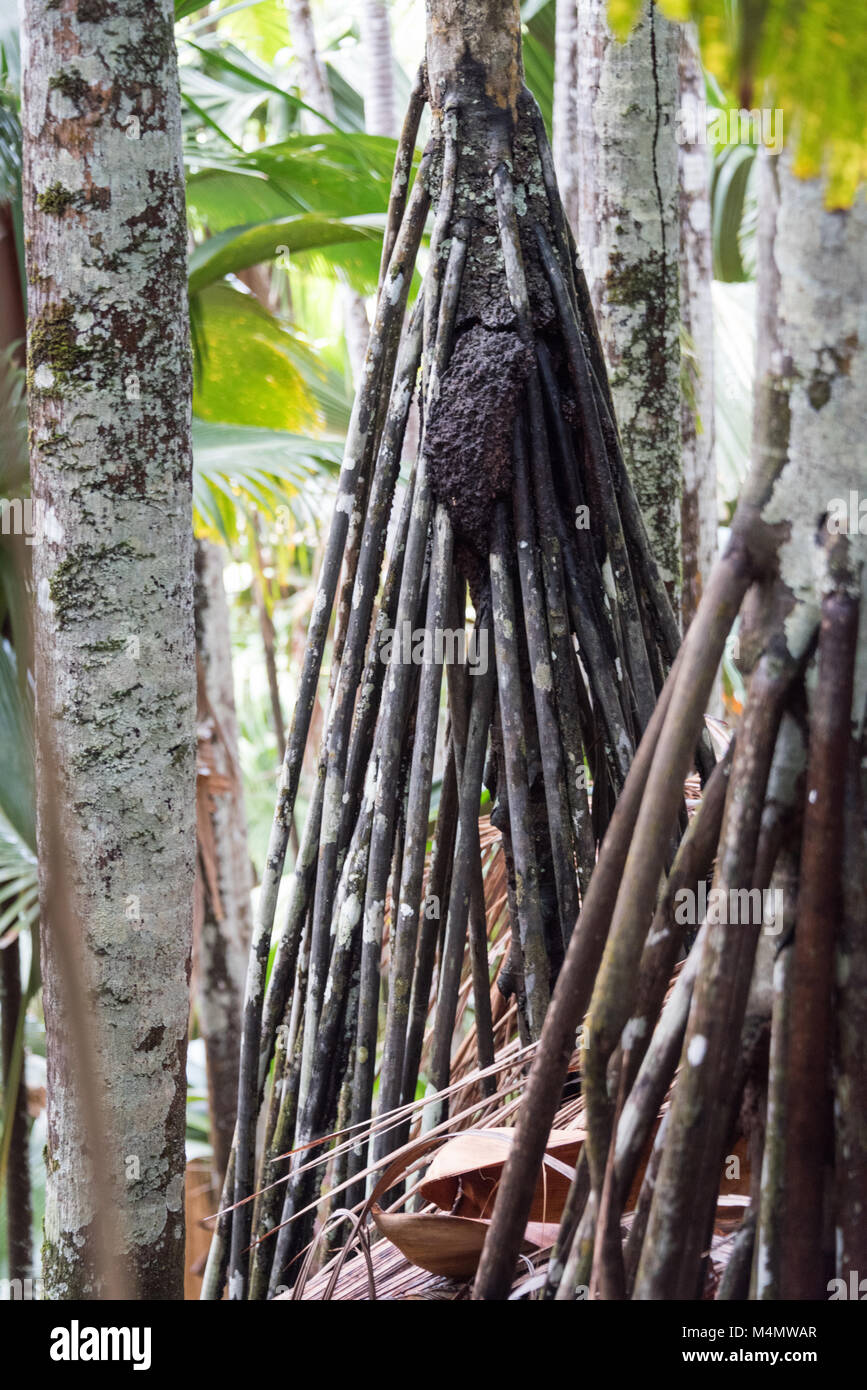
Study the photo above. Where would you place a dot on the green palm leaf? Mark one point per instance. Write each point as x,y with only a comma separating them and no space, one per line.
255,370
246,470
539,18
337,175
237,248
732,194
17,786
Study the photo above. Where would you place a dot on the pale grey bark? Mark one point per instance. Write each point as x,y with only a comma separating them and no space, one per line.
699,504
312,79
109,395
811,401
224,880
811,388
380,115
564,132
628,238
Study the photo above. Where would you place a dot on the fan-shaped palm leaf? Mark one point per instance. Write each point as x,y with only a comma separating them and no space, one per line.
243,469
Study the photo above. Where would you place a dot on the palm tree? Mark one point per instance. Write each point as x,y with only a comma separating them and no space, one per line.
114,640
698,462
380,115
786,808
223,879
628,236
518,444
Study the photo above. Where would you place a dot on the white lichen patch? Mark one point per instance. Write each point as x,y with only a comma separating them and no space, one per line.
373,923
542,678
697,1050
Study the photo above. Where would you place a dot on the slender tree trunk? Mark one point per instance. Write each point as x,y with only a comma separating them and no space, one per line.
313,85
380,116
628,237
266,627
812,381
564,135
109,392
517,431
224,879
699,503
312,78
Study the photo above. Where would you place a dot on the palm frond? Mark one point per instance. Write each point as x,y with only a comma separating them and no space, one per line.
238,248
254,369
17,786
245,469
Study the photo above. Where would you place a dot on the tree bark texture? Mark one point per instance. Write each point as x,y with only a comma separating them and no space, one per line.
380,116
628,238
699,502
224,879
109,375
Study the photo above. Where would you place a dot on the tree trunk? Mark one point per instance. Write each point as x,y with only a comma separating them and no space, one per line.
109,377
564,135
224,880
517,432
314,89
797,581
266,628
699,503
628,238
312,78
380,116
812,402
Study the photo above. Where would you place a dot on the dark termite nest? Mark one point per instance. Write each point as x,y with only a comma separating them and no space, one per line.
468,436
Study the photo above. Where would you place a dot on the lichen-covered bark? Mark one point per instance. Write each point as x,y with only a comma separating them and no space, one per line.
109,395
811,405
811,390
698,504
224,919
811,399
628,239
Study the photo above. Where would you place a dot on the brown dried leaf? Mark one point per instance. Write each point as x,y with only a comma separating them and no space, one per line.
464,1174
448,1246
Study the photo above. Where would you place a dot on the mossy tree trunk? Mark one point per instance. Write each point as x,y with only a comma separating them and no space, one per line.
628,239
109,375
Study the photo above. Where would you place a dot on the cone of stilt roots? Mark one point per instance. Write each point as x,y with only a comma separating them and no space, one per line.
517,523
